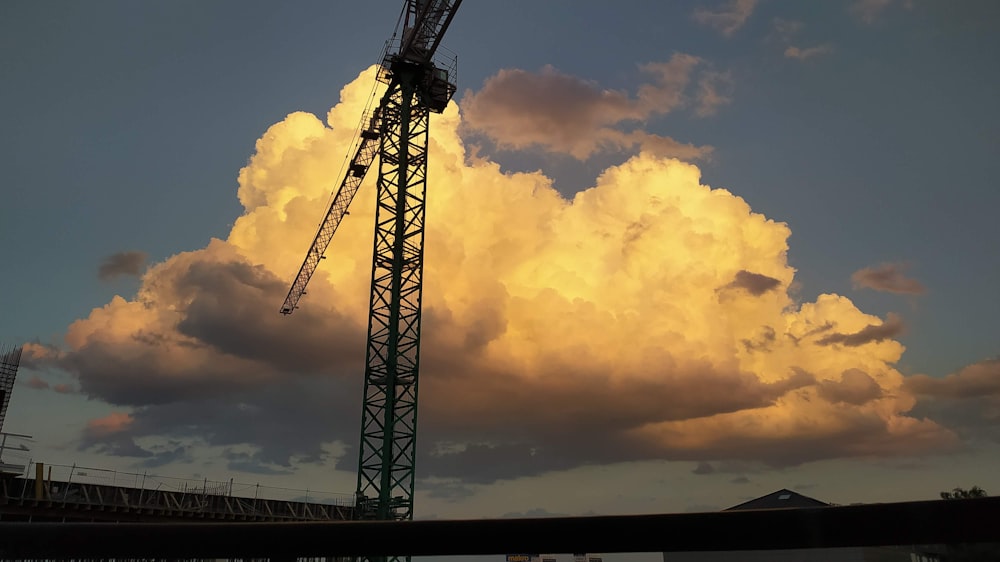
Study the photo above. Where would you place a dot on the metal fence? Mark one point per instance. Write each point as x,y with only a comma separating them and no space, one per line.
68,474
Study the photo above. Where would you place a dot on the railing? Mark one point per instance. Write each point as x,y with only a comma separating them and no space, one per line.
72,493
943,522
59,473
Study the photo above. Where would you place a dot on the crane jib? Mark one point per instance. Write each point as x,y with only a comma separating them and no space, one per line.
431,19
364,156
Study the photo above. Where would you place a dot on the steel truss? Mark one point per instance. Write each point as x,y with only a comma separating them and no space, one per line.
10,358
389,417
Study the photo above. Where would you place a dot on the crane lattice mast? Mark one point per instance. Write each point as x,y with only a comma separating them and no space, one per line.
398,127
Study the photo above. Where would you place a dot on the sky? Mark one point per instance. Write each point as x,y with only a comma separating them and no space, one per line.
678,255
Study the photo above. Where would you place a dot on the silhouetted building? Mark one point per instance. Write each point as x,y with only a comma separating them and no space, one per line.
788,499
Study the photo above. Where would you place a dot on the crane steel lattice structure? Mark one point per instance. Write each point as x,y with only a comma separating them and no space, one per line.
10,358
396,131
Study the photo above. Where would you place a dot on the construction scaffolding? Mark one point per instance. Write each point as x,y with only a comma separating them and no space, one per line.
10,358
123,497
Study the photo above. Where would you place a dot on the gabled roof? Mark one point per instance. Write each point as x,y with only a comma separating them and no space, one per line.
777,500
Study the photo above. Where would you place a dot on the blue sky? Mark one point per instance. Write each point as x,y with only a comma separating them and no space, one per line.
869,128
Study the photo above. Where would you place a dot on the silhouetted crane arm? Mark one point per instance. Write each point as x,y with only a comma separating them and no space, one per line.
431,20
426,22
356,171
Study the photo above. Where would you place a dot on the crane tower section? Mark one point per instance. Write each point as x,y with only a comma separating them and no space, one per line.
416,87
397,132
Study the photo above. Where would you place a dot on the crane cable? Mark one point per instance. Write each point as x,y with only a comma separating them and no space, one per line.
366,113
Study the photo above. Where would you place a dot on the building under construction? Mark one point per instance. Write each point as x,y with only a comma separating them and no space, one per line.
28,491
10,359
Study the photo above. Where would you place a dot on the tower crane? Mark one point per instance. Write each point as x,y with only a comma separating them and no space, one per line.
395,131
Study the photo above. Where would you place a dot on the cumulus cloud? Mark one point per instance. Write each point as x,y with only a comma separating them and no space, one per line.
807,53
967,400
518,109
978,379
888,277
121,264
854,387
727,18
557,332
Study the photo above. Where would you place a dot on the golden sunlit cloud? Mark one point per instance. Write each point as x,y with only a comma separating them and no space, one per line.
647,317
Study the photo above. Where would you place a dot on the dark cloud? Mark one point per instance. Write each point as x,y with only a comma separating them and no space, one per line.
888,277
518,109
232,310
703,468
552,426
111,436
855,387
232,336
164,457
862,435
450,490
967,401
873,333
728,467
121,264
251,463
288,422
976,380
753,283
